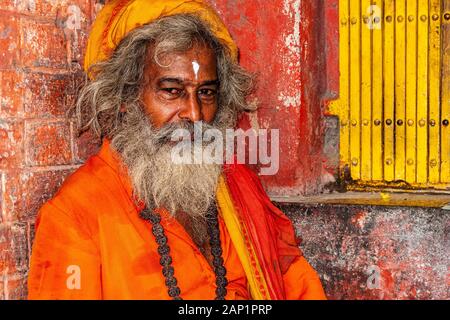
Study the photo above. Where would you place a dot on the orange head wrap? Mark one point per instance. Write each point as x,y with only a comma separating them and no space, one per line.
118,17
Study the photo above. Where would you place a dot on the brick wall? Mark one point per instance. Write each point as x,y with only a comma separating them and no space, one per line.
41,48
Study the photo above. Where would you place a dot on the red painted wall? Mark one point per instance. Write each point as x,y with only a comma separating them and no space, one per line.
284,43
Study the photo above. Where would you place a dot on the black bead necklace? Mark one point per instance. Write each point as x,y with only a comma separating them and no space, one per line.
166,260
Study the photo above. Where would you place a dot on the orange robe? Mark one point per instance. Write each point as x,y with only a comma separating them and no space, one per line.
90,243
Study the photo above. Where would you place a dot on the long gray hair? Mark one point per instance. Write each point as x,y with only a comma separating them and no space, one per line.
119,81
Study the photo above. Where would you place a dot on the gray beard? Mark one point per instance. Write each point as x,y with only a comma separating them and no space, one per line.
185,190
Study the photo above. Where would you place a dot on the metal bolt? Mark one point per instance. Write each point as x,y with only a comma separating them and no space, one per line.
410,122
354,122
447,16
354,20
400,18
399,122
445,122
389,161
365,122
365,19
432,122
376,19
344,123
410,162
389,18
423,18
354,162
433,162
388,122
435,17
421,122
410,18
344,21
377,122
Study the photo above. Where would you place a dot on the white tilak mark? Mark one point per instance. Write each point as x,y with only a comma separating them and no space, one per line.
196,67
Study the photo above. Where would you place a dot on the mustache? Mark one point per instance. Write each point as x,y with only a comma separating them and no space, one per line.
164,134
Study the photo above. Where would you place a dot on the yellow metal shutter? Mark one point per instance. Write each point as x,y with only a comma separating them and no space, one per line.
394,104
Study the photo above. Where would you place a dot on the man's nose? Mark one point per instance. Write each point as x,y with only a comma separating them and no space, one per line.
191,109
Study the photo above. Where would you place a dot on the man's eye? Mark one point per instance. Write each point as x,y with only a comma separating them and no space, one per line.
207,92
172,91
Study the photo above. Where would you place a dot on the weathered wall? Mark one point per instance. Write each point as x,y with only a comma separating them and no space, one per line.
406,248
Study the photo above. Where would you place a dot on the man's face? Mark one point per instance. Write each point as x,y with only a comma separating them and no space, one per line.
182,87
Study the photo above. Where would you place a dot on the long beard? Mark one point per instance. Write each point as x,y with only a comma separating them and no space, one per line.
156,179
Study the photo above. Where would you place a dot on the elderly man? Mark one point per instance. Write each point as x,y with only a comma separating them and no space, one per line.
131,223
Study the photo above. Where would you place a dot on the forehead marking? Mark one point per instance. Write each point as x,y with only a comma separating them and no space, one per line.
196,68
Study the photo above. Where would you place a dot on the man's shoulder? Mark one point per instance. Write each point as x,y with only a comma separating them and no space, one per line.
88,187
93,175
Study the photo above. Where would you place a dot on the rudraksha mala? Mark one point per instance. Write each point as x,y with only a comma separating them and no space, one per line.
166,260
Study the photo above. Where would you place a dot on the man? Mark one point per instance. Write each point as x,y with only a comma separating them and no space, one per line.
133,224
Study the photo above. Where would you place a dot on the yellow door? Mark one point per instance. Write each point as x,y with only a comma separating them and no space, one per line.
394,104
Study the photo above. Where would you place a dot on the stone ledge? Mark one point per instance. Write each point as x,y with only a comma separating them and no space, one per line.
404,199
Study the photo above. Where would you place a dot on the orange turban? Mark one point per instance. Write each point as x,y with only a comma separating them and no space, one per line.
118,17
